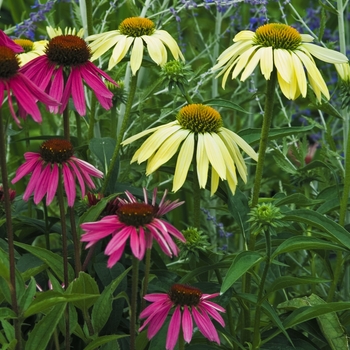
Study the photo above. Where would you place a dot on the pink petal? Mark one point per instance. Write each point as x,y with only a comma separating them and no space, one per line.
56,88
66,93
8,42
156,297
69,184
78,90
27,167
79,177
114,258
174,329
205,326
42,184
118,240
187,324
32,182
52,186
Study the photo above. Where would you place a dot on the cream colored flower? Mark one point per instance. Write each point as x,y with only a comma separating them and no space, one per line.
135,31
281,47
198,129
32,49
343,71
53,32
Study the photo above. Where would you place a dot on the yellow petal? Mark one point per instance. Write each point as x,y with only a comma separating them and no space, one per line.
166,150
202,162
156,49
307,38
244,35
214,183
251,65
136,55
299,74
183,163
242,61
266,61
169,41
283,62
285,86
120,50
323,54
214,154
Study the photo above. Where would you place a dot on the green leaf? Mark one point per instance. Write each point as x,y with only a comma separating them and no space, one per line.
103,306
84,284
240,265
8,330
43,330
28,295
54,261
104,340
6,313
299,199
219,102
335,232
304,242
50,298
252,136
289,281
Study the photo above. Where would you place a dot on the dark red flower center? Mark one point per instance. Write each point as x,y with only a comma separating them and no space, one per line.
9,63
181,294
68,50
136,214
56,151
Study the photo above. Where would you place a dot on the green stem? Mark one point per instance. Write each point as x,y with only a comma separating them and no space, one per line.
123,127
47,233
133,304
88,322
76,242
78,125
92,118
90,28
146,277
196,194
181,340
66,131
113,121
268,114
9,229
256,337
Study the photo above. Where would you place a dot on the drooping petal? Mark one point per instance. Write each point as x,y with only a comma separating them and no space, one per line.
69,184
136,55
187,324
174,329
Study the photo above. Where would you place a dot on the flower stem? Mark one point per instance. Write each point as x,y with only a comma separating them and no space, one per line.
76,242
196,194
66,131
257,338
133,304
9,229
90,28
92,118
181,339
146,277
268,113
123,127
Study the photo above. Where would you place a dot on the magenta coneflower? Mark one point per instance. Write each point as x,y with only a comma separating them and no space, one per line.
54,156
186,302
64,67
8,42
17,85
139,221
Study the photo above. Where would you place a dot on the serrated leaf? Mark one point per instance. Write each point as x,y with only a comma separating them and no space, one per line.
41,334
335,232
104,340
84,284
54,261
304,242
240,265
103,305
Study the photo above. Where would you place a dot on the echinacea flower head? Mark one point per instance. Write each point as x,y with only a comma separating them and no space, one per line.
16,85
135,32
281,47
65,67
343,71
55,156
186,304
31,50
140,222
198,130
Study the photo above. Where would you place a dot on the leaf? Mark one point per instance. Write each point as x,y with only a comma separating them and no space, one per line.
43,330
84,284
240,265
6,313
104,340
54,261
304,242
28,295
335,231
103,305
289,281
252,136
48,299
299,199
219,102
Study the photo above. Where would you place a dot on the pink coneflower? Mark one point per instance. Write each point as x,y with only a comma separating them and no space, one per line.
17,85
64,67
186,302
54,156
8,42
12,194
139,221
